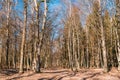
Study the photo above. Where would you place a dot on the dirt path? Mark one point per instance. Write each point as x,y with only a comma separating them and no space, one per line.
63,74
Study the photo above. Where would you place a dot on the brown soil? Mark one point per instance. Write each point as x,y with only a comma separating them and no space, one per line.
62,74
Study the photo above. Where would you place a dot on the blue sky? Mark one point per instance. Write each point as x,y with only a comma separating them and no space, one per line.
52,5
56,6
20,5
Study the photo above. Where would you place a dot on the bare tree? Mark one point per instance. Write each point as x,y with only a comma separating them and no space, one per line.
117,30
23,37
103,39
8,34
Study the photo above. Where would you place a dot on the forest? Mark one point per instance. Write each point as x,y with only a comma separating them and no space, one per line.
59,39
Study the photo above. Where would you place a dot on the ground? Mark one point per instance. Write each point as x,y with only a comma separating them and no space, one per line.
61,74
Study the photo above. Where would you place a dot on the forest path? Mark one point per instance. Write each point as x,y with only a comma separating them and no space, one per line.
62,74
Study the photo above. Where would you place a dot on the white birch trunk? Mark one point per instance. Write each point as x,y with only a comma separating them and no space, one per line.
23,37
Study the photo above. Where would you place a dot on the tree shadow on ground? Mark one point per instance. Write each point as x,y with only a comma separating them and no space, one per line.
60,71
48,72
91,76
48,78
21,76
9,72
15,78
58,77
69,75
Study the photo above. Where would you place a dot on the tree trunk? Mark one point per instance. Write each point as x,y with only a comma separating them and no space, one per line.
37,52
87,53
118,49
23,37
116,30
74,50
8,35
69,51
40,37
0,54
103,39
